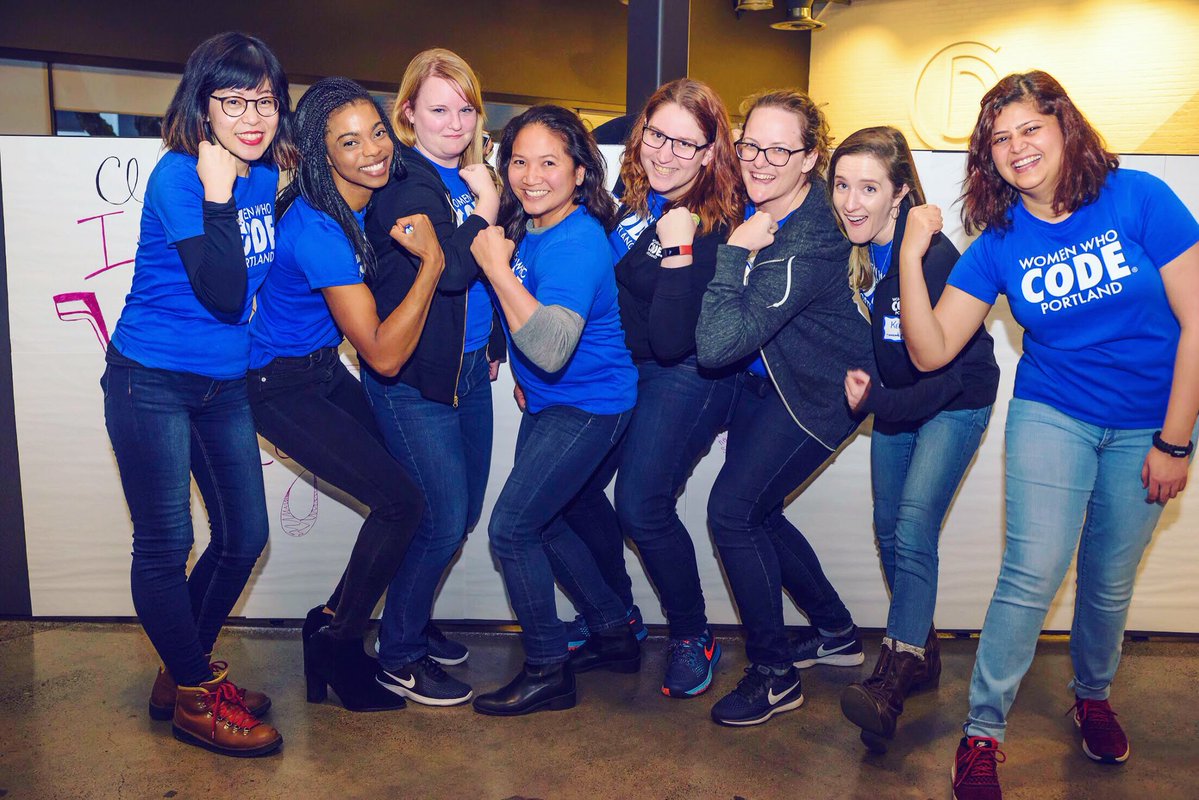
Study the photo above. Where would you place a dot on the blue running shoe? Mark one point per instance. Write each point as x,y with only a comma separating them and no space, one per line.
690,665
834,651
577,631
759,696
443,650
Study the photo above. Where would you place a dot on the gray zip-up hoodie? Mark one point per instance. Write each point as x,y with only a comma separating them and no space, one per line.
796,307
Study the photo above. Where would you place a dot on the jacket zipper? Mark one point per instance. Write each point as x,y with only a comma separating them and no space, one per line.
465,307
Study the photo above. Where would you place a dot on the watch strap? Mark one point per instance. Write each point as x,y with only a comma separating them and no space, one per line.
1175,450
680,250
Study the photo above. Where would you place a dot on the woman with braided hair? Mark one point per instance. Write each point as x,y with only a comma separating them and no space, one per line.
304,399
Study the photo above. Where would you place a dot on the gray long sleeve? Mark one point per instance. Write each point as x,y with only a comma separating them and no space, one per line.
550,336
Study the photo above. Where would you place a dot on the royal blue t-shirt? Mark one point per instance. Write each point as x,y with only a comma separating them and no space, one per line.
758,366
292,318
163,324
1099,336
478,301
629,229
570,265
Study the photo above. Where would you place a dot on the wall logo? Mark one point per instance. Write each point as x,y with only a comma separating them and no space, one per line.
945,101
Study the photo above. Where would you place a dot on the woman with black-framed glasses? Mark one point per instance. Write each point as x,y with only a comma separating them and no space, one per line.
779,308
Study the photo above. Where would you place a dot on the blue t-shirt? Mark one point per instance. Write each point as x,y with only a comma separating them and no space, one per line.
163,324
292,318
478,301
758,366
629,229
1099,336
569,264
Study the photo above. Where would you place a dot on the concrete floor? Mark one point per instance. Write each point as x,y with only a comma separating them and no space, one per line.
73,724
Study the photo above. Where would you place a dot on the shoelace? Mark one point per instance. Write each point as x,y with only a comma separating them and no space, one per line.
685,650
1096,713
977,766
220,668
433,669
753,684
225,701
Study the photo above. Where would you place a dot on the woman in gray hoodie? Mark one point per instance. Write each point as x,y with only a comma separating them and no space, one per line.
779,305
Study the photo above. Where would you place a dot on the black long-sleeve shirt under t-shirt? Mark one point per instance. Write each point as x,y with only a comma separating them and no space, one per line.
659,307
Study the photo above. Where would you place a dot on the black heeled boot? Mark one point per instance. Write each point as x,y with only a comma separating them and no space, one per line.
546,687
345,666
616,650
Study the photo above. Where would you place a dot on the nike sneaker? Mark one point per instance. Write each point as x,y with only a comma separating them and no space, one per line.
424,681
690,664
577,631
835,651
759,696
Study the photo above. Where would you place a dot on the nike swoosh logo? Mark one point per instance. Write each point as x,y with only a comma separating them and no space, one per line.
709,649
773,698
821,652
407,684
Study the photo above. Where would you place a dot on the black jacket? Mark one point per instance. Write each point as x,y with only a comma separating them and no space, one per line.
434,366
659,307
908,397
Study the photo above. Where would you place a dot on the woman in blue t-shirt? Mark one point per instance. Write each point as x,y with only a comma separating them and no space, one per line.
557,298
174,388
682,195
926,427
436,413
304,399
1101,267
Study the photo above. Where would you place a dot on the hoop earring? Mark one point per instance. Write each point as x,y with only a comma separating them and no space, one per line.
895,212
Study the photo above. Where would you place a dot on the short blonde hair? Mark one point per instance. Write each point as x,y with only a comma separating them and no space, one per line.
438,62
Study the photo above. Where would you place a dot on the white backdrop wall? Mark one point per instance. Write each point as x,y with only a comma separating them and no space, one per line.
70,215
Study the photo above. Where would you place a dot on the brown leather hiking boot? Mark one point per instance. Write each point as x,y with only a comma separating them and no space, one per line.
162,696
928,675
213,716
874,705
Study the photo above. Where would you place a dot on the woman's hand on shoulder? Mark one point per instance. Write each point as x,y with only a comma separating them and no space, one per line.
924,222
756,233
857,388
487,198
217,170
492,250
676,227
416,235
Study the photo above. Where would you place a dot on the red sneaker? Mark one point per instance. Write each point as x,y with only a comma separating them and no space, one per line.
974,775
1103,739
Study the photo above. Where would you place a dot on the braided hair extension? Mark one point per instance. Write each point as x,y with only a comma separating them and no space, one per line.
313,178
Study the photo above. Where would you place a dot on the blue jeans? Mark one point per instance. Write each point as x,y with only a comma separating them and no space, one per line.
680,409
447,452
1070,485
165,428
914,476
558,452
768,456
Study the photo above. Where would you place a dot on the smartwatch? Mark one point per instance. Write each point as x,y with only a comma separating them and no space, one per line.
1175,450
681,250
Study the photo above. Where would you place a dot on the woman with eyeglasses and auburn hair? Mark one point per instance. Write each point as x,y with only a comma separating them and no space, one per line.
558,299
304,399
926,427
780,308
435,414
682,196
175,401
1101,267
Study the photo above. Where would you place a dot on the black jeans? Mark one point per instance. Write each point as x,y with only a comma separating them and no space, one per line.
313,409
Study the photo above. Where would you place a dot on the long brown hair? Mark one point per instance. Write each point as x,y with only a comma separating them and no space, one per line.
891,149
1086,162
716,194
438,62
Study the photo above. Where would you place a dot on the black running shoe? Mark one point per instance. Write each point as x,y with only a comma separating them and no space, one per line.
424,681
759,696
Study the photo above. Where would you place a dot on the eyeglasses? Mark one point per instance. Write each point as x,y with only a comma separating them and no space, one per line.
235,106
652,137
775,156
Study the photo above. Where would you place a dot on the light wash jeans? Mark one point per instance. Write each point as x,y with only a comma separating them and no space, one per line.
1069,484
914,476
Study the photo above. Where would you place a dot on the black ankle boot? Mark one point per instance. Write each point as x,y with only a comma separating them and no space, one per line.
316,619
345,666
548,687
616,649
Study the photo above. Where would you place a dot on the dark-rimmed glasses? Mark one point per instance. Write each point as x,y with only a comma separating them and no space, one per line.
775,156
234,106
652,137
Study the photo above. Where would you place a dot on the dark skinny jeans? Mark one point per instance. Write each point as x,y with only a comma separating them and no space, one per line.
313,409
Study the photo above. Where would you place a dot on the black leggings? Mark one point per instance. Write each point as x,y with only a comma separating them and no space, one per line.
313,409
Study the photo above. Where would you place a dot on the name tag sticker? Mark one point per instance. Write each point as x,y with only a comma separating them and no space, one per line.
891,331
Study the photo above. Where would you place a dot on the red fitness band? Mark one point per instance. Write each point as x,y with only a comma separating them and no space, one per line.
681,250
